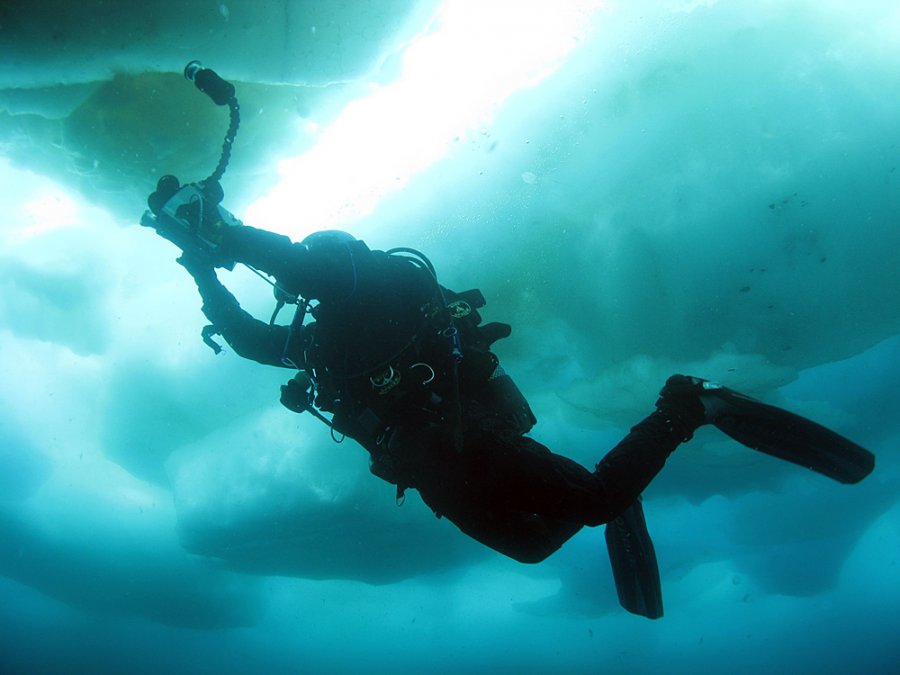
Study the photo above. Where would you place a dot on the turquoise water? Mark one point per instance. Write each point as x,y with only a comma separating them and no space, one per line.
701,187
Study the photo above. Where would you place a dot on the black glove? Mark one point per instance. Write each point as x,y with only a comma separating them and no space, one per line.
295,394
491,332
200,268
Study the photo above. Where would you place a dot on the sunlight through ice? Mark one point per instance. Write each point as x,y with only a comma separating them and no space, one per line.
454,76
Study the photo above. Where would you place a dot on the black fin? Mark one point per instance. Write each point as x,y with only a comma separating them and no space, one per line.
787,436
633,561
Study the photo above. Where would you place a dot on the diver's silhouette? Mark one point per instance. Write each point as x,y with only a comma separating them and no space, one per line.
404,366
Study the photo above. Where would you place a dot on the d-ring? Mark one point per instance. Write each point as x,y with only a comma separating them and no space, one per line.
421,363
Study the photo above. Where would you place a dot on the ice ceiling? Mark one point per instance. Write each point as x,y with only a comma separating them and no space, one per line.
680,180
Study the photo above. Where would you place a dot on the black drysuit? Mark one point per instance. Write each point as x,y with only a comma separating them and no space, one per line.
380,349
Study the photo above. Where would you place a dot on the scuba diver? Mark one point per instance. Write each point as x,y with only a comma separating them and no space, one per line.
386,355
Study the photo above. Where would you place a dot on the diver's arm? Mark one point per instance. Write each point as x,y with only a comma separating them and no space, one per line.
272,253
250,338
330,271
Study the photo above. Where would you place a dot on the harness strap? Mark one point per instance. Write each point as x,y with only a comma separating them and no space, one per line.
296,324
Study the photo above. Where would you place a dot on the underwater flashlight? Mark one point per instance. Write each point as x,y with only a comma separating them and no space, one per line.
209,82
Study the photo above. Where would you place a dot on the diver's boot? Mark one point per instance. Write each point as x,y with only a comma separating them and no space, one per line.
681,407
767,429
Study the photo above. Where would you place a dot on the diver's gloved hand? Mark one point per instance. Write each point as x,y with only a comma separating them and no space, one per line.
491,332
680,402
295,394
200,268
166,188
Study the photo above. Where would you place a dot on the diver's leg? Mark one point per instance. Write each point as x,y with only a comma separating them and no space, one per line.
461,486
525,537
518,498
495,479
628,468
521,475
625,471
772,430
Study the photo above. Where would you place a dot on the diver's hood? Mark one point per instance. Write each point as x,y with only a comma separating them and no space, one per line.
328,239
338,256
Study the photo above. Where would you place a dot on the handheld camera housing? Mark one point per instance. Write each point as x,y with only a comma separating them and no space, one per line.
190,218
